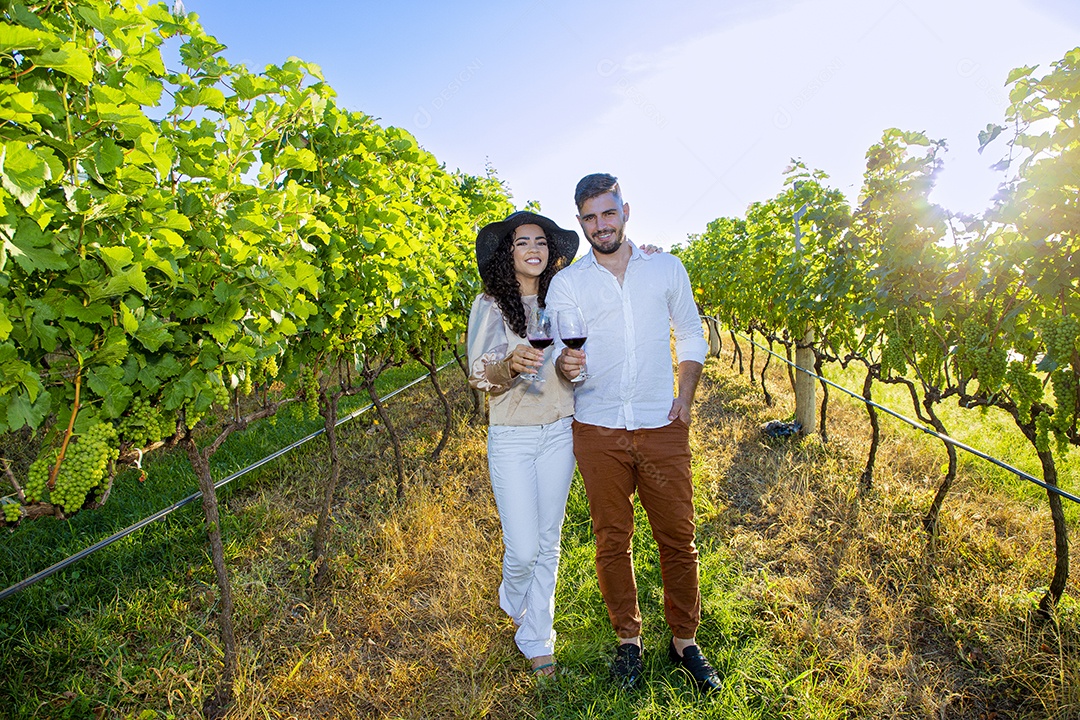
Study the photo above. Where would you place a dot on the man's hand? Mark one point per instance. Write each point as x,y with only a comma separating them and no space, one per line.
689,374
680,409
570,363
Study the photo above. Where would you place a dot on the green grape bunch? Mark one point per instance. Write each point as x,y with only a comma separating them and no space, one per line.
87,465
892,357
929,363
36,487
1064,383
309,390
221,393
144,423
247,384
268,368
1060,336
972,339
191,417
1025,389
991,366
12,512
1042,432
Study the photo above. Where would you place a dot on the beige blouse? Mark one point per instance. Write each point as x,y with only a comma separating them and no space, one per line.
513,400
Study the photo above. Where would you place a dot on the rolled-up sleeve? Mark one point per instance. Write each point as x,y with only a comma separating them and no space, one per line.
690,343
489,369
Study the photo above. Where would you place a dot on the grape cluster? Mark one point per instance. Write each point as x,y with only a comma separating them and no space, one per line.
191,418
1065,391
220,392
991,364
1042,432
247,383
144,423
309,390
85,466
268,368
930,361
1060,336
12,512
38,477
892,357
972,338
261,374
1026,389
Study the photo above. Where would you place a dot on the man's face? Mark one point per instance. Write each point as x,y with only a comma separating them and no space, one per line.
602,219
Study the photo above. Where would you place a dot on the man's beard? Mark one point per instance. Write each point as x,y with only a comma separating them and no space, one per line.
612,247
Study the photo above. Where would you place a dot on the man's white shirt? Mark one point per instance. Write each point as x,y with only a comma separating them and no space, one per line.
631,381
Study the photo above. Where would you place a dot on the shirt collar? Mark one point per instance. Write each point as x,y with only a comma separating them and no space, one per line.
635,254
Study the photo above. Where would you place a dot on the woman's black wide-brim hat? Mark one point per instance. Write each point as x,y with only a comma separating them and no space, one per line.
561,243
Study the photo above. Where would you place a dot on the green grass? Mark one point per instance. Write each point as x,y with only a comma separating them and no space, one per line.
757,682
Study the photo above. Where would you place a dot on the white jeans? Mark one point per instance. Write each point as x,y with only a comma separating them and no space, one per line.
531,468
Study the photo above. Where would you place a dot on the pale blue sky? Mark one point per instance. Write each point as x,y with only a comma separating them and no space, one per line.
696,106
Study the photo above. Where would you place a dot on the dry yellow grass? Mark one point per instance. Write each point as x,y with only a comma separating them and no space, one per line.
895,626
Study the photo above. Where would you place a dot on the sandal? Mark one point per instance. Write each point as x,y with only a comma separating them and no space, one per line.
544,669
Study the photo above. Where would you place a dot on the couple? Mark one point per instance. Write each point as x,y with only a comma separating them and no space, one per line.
622,423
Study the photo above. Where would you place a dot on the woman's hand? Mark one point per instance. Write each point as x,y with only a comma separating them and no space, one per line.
525,359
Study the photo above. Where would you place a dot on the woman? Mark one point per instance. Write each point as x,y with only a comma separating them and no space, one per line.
530,448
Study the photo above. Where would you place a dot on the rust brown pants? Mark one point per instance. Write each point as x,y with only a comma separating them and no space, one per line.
654,463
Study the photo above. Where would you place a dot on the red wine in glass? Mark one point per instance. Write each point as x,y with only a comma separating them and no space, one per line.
539,333
573,332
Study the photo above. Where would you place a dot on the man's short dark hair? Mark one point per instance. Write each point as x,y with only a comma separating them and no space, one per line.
594,185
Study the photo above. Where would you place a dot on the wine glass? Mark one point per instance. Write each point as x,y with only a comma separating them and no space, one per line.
539,333
573,332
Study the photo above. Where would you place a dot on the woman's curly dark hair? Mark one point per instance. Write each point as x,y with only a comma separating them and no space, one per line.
501,283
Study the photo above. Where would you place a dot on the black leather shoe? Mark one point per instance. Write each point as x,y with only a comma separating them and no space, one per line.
704,674
628,665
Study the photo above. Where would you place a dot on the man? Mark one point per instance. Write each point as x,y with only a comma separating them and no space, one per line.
630,434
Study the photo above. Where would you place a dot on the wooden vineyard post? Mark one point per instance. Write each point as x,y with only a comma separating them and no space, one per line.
805,387
713,333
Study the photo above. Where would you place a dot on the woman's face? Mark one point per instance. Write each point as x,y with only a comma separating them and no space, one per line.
530,247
